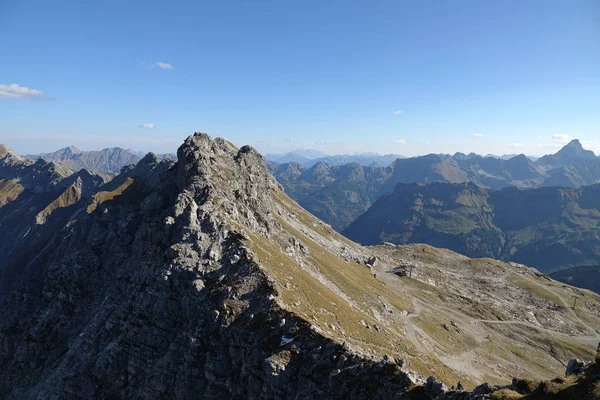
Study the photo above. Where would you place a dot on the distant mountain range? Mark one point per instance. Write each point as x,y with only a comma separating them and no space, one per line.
308,158
36,199
109,160
339,194
507,156
548,228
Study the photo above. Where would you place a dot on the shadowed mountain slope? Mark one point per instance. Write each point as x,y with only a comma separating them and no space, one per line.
548,228
587,277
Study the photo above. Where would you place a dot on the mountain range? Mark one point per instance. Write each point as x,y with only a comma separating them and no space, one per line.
308,158
548,228
201,278
339,194
107,161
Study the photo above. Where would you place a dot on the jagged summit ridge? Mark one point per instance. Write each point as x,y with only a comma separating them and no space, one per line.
236,181
5,150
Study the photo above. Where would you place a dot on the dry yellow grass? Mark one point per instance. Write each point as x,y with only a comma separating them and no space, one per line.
69,197
506,394
528,284
101,197
342,297
9,191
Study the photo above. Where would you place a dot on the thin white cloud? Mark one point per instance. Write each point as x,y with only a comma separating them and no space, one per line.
291,140
477,135
400,141
14,91
398,112
163,65
561,138
147,126
516,145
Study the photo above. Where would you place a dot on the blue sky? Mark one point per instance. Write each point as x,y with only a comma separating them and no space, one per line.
339,76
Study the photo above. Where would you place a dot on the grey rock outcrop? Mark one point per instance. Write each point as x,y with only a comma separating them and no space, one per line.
576,367
434,388
154,294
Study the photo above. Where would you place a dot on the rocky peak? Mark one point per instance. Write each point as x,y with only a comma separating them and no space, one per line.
572,153
5,150
575,149
148,160
236,182
11,160
320,172
68,151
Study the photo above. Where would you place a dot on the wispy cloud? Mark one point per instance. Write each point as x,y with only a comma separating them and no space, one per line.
561,138
398,112
400,141
147,126
516,145
14,91
163,65
477,135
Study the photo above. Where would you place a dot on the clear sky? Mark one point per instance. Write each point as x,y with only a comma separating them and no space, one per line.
408,77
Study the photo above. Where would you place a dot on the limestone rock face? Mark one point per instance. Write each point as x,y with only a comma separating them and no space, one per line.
154,294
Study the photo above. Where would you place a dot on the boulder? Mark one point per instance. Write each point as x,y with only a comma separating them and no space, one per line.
575,367
435,388
484,388
372,261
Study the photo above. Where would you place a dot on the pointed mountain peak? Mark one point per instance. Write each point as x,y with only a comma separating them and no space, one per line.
574,149
574,144
4,150
571,153
149,158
